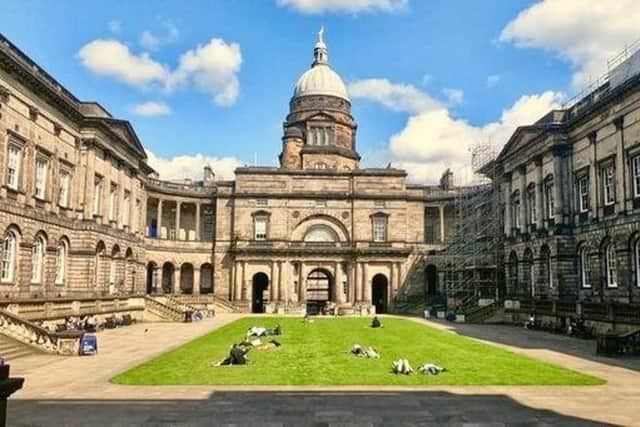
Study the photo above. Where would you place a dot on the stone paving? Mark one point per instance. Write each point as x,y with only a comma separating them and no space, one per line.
74,391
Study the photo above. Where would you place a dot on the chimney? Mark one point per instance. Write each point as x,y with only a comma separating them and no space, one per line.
446,181
209,176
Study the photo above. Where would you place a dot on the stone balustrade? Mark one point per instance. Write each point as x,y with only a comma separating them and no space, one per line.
66,343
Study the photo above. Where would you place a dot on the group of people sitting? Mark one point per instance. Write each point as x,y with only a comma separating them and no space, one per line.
91,324
368,352
238,352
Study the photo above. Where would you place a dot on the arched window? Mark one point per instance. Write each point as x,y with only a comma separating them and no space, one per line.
513,271
609,260
8,259
37,259
61,262
100,253
584,268
320,233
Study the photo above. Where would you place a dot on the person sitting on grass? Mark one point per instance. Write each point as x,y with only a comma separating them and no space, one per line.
402,366
275,331
375,323
256,331
431,369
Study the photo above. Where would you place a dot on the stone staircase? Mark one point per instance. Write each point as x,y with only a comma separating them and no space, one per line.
11,349
162,308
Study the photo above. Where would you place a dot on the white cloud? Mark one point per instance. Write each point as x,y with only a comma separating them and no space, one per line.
212,68
454,96
426,79
493,80
344,6
115,26
586,34
191,166
151,41
151,109
114,59
395,96
433,139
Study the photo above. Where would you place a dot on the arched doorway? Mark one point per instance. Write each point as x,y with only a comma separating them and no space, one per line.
167,277
318,290
380,292
186,278
152,280
206,279
260,285
431,279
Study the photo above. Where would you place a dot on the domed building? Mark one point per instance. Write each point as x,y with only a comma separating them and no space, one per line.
83,213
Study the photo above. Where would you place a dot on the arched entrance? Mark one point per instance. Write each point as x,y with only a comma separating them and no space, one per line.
167,277
206,279
151,278
431,278
260,285
380,292
186,278
318,290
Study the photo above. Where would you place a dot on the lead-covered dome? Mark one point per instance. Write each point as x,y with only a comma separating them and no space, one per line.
320,79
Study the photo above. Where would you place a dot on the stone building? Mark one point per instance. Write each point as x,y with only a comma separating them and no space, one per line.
81,212
571,186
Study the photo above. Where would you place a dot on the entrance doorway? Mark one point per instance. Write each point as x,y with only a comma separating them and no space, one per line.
380,292
151,279
431,277
318,291
260,285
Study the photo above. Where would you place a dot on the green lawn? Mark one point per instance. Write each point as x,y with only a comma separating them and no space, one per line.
317,354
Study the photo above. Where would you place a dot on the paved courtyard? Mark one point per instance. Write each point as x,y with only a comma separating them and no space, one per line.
75,391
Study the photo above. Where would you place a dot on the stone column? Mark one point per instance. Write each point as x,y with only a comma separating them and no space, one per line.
244,289
441,212
339,291
358,283
237,278
523,196
198,221
159,219
273,286
507,204
366,287
393,280
538,194
302,296
178,207
621,171
593,177
558,203
281,284
176,280
398,278
196,281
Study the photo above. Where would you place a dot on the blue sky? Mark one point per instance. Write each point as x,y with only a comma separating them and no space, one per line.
427,78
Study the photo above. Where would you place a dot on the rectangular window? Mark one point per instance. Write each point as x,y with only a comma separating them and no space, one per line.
608,185
97,195
516,213
583,194
379,229
319,135
432,225
41,177
531,206
113,193
635,170
63,195
549,200
13,167
260,226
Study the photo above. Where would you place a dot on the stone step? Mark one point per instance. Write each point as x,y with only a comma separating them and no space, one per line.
11,349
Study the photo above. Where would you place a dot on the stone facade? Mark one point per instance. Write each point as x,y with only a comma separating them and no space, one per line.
571,182
288,239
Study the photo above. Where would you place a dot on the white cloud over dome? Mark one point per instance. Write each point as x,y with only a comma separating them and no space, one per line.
585,33
343,6
191,166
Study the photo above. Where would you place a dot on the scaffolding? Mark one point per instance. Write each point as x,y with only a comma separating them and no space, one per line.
473,258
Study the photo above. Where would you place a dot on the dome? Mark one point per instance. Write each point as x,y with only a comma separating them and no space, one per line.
321,79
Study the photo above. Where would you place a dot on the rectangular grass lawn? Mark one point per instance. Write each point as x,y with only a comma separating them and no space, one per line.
318,354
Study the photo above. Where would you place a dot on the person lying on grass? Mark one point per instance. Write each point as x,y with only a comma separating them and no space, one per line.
431,369
259,331
368,352
402,366
375,323
237,356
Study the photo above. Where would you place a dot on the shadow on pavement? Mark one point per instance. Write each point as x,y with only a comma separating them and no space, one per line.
428,408
520,337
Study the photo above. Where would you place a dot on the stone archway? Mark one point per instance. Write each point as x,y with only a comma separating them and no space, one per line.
206,278
260,284
431,281
380,292
168,271
186,278
318,290
152,280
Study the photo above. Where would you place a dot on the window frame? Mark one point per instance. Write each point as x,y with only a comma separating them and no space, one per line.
62,253
379,228
16,168
41,177
610,268
549,198
608,173
635,175
64,188
584,197
38,254
532,214
584,268
98,184
8,257
257,219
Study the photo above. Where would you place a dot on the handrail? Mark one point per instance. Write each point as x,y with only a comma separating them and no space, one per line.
164,310
36,336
